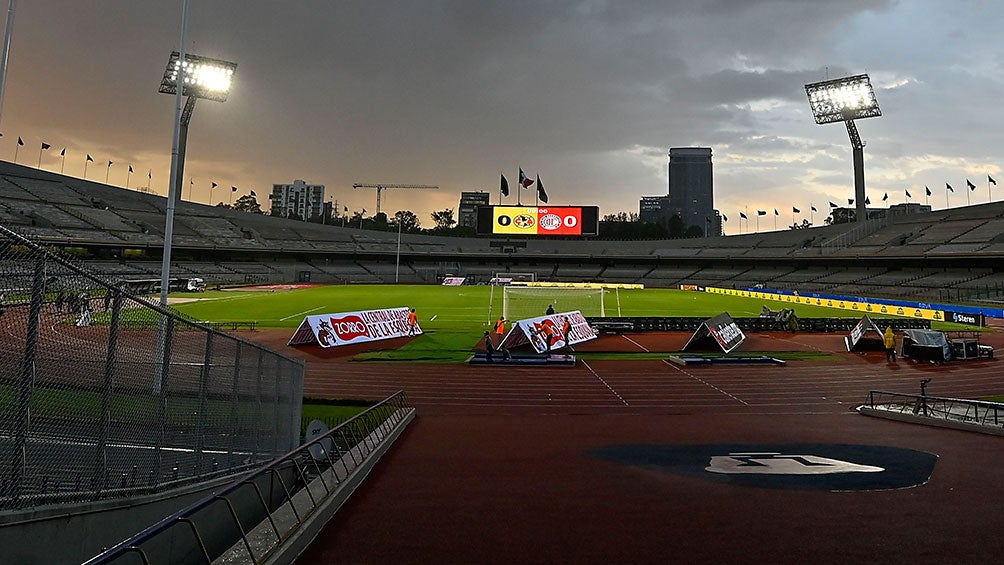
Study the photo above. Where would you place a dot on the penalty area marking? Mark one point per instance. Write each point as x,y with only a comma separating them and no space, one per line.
299,314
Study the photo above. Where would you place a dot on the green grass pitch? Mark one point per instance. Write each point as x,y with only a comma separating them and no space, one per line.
452,317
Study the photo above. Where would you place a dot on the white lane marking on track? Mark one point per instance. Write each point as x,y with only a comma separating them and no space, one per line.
605,383
299,313
706,383
640,346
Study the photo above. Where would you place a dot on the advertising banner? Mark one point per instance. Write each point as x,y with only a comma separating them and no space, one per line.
343,328
536,332
973,319
453,281
853,304
722,329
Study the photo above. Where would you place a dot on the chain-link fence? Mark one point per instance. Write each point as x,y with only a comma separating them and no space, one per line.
104,393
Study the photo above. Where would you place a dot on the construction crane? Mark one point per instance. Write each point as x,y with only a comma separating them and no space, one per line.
380,186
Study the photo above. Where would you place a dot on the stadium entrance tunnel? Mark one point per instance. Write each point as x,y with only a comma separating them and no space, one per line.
825,467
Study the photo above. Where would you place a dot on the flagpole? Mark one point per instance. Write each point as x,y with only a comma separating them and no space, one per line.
63,164
968,190
85,168
108,169
191,182
39,166
128,175
946,196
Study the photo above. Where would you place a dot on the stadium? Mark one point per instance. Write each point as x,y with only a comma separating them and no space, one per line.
177,432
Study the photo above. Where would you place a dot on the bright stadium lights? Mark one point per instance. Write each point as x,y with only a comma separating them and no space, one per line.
845,100
204,77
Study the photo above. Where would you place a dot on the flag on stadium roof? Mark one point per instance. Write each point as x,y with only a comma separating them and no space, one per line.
907,193
949,187
885,197
109,163
346,208
927,191
233,189
743,216
214,185
795,210
776,212
253,194
813,208
89,158
504,188
45,145
850,201
149,174
19,141
970,185
130,168
524,181
761,212
832,205
63,153
725,218
868,201
991,180
540,191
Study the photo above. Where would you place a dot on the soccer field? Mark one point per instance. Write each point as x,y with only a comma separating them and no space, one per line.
466,309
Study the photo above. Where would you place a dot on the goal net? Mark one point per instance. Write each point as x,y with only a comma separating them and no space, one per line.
521,302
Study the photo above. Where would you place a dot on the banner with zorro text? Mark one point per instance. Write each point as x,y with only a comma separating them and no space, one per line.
344,328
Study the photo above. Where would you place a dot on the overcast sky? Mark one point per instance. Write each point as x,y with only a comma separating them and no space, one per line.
588,94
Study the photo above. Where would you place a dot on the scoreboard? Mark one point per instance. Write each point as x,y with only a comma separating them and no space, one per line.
538,220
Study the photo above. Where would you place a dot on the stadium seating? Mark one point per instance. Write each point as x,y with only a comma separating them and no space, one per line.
921,254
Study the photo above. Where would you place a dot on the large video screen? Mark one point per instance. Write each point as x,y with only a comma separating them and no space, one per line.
538,220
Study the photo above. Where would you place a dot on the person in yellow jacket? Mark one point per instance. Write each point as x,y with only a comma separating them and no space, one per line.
889,339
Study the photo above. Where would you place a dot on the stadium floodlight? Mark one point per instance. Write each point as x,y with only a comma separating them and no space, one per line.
845,100
203,78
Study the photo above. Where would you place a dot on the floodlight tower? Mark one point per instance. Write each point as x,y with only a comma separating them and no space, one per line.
204,78
844,100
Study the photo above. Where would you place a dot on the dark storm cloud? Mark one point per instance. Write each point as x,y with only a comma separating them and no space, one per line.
591,94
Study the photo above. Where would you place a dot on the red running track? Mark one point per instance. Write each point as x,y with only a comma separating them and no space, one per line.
496,469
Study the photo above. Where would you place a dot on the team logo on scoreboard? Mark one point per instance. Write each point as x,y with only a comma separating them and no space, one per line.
550,222
523,221
831,467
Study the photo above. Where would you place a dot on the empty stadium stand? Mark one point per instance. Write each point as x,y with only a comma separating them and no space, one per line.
956,253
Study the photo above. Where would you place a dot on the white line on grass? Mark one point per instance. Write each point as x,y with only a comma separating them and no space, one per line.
299,314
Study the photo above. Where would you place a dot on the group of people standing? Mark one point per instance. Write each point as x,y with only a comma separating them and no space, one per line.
547,332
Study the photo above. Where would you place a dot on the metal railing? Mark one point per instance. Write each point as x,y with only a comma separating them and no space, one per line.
105,394
973,412
248,520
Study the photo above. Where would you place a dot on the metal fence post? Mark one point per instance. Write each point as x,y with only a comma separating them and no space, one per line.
234,401
204,376
101,449
161,393
26,381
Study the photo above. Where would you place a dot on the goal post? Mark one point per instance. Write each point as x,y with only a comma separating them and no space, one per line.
522,302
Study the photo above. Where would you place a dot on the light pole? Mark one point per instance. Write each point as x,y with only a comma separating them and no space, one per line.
201,77
397,263
844,100
204,78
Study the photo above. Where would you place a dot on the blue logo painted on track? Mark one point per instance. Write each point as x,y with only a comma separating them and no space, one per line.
830,467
